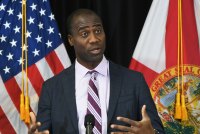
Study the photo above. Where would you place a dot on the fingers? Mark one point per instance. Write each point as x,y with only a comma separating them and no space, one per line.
33,125
121,133
133,128
33,118
44,132
144,113
143,126
35,131
129,121
122,128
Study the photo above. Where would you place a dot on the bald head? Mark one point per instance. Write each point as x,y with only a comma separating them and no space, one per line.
77,14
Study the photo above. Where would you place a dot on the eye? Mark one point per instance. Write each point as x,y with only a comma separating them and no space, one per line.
84,34
98,31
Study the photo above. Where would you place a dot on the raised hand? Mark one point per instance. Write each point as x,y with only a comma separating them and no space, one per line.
33,127
136,127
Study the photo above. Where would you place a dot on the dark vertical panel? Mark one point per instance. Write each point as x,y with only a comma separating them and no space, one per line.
123,21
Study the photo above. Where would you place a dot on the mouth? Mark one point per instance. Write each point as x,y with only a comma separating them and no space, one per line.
95,50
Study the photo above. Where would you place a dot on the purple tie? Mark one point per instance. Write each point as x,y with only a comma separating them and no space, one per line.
93,104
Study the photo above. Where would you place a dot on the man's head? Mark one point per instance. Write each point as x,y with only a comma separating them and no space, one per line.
86,34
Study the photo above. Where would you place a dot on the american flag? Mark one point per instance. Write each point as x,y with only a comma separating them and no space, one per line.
46,57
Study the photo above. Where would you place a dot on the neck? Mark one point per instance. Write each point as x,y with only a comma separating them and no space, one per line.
90,65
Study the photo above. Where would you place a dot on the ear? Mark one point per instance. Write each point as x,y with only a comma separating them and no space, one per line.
70,39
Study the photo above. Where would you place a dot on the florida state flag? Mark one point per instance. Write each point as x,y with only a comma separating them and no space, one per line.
168,54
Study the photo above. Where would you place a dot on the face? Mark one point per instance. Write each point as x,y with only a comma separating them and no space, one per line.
88,39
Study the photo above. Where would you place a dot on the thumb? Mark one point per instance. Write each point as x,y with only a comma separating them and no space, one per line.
45,132
33,118
144,113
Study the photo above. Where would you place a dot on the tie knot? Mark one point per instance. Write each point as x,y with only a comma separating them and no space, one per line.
93,73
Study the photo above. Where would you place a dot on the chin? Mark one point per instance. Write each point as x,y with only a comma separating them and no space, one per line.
95,58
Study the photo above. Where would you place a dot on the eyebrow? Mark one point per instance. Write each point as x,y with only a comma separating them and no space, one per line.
84,27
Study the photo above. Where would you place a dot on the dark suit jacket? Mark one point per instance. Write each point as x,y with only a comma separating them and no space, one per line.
128,93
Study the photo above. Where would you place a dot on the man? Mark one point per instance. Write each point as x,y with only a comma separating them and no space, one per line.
124,98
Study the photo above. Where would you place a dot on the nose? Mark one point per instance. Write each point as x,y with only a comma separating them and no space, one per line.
93,38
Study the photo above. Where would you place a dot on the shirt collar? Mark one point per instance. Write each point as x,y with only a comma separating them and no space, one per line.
102,68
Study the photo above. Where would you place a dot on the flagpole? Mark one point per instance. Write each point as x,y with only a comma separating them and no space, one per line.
27,117
24,106
184,115
178,96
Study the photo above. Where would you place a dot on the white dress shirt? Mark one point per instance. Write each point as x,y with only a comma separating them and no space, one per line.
81,84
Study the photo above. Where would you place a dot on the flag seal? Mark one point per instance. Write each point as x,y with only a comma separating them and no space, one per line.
164,89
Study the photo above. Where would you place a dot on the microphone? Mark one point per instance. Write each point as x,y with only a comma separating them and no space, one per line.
89,123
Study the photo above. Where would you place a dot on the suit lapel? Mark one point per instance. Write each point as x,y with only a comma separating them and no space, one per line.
115,84
69,93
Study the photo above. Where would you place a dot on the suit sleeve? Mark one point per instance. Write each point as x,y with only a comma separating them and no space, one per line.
145,98
44,108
